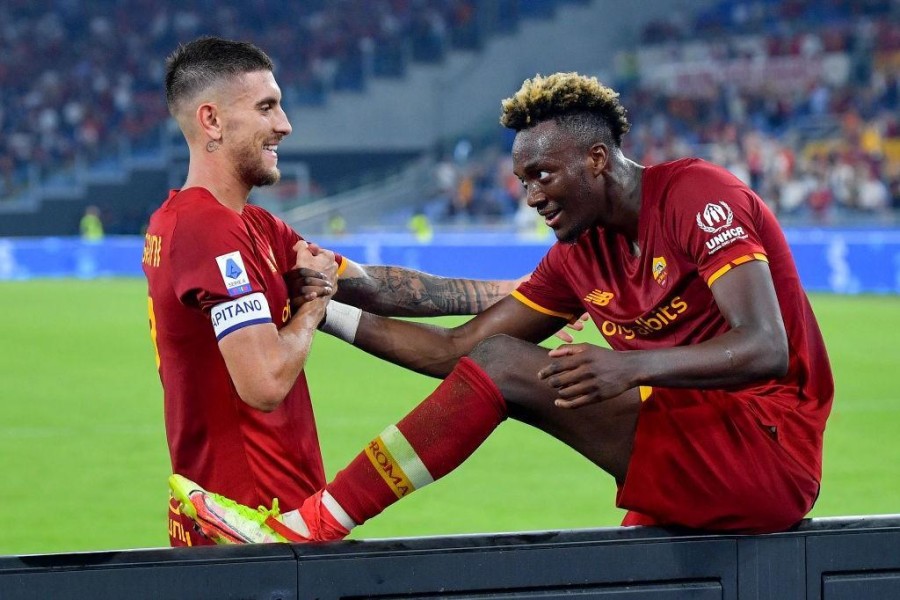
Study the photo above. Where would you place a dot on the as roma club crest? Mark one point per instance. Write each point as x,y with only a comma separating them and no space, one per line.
660,270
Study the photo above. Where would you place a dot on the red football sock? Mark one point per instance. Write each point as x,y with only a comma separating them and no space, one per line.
432,440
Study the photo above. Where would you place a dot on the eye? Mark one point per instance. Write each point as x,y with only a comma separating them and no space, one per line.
542,175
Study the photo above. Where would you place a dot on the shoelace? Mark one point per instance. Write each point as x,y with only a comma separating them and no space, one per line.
273,512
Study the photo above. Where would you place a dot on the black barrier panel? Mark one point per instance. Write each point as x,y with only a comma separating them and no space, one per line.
853,559
772,566
861,586
214,573
828,559
612,563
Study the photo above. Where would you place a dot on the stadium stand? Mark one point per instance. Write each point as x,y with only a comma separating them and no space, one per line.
799,99
82,114
80,84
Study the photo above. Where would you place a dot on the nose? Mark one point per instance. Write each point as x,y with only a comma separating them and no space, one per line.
534,197
283,125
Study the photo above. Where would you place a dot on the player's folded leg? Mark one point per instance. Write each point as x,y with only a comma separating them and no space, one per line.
432,440
225,521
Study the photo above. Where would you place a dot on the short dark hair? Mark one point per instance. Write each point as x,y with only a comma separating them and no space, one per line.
583,104
205,61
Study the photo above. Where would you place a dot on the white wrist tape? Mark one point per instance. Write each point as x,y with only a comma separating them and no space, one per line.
341,321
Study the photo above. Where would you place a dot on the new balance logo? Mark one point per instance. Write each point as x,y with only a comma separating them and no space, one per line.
599,298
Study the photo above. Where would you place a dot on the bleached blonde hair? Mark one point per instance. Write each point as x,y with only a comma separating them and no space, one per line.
577,101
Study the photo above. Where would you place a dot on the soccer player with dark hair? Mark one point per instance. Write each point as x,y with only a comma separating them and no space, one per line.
230,345
710,408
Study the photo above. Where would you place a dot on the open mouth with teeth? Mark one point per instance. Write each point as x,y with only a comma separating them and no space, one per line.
272,149
551,217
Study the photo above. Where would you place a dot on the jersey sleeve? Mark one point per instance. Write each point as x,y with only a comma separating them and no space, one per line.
547,290
712,218
212,260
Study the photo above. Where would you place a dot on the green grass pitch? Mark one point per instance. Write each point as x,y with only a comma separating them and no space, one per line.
84,453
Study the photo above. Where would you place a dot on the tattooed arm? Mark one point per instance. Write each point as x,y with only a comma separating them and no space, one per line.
402,292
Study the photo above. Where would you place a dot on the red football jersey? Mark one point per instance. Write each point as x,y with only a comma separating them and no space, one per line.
211,271
696,222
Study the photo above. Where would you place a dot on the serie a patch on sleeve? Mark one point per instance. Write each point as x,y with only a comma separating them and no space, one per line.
241,312
234,274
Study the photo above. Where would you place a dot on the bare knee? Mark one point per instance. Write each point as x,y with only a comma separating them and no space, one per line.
490,353
603,432
511,363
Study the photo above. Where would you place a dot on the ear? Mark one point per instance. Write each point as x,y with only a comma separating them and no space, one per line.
598,155
209,121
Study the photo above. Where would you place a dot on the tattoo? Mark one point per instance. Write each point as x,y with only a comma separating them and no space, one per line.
401,292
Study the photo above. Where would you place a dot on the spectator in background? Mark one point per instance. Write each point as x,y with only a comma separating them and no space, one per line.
820,200
874,195
90,226
337,224
461,207
445,176
420,226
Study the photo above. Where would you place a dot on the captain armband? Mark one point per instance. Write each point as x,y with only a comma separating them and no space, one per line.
341,321
252,309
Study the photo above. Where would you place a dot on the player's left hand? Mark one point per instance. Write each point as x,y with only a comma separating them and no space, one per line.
584,374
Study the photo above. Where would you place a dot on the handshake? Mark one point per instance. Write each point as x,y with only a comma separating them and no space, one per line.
314,275
313,280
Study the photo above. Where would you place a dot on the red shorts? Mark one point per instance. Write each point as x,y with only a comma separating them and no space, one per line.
704,460
181,529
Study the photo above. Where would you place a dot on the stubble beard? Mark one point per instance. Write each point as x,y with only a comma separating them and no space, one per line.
251,169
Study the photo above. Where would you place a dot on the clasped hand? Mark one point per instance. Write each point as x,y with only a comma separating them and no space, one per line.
314,274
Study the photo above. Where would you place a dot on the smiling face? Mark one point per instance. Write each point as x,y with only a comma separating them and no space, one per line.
562,178
254,122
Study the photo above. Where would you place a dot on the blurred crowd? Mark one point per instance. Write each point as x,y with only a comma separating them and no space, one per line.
81,79
809,121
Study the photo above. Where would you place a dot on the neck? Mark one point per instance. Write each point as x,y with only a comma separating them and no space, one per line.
210,172
626,181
